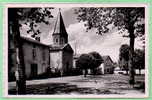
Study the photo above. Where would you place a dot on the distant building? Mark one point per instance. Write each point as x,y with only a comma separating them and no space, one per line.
107,66
75,58
118,70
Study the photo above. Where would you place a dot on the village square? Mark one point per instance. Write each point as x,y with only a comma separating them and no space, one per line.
79,54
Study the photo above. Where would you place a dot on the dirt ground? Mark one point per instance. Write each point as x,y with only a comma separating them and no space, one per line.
99,84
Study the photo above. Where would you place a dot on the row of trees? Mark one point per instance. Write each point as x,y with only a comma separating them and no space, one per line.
124,18
91,61
138,58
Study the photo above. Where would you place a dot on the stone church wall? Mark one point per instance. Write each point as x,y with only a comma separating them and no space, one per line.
56,60
67,62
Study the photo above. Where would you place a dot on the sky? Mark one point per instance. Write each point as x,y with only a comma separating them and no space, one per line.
82,41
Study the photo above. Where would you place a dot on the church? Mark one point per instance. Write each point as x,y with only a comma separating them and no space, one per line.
61,53
38,57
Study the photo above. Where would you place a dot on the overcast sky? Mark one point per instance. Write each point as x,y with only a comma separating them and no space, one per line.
85,42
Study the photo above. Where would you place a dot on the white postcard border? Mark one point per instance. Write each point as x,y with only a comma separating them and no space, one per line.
5,48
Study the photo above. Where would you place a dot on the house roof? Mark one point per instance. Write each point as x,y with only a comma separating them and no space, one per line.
33,41
106,57
59,26
65,47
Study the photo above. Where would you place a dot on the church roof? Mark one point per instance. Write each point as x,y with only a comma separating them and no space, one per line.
56,48
59,26
65,47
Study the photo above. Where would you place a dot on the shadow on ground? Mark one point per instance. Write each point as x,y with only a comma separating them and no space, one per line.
60,88
108,84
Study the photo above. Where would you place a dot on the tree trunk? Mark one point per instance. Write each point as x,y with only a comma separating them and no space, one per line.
94,71
85,72
139,71
127,72
20,67
131,53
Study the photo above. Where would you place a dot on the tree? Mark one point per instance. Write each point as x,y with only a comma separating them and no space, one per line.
97,60
124,18
124,57
84,62
16,17
139,59
91,60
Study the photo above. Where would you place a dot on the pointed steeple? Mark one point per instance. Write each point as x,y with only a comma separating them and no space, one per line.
60,36
59,25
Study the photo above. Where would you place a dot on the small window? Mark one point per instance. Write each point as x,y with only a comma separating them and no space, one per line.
34,53
62,40
56,40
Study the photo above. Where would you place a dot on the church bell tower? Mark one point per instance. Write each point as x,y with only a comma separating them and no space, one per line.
60,36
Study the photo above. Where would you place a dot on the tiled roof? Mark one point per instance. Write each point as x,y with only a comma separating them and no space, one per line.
33,41
65,47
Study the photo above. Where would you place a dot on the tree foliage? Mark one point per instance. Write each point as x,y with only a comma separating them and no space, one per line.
97,59
130,18
123,64
124,18
139,59
91,61
124,52
31,17
84,61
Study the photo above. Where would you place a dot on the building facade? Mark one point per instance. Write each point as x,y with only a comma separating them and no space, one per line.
107,66
36,58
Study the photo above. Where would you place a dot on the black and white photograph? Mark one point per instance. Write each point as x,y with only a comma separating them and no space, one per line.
76,50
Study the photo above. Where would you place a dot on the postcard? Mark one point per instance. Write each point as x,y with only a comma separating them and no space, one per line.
71,50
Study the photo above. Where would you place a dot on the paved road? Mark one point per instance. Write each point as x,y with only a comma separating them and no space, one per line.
101,84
